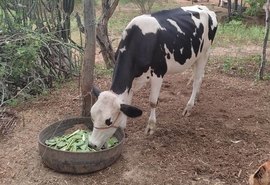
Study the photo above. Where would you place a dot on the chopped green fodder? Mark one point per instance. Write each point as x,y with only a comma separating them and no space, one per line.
77,142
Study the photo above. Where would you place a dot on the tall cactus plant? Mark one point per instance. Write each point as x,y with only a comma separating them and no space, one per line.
68,7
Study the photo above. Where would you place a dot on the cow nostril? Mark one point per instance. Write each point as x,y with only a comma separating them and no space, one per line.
92,145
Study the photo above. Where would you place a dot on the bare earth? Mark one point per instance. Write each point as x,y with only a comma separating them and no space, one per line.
224,140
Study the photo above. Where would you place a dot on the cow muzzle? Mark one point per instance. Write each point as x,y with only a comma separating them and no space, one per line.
99,137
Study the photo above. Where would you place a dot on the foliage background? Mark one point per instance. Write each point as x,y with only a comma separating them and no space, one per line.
36,49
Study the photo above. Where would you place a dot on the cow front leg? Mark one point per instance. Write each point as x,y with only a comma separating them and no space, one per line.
154,94
151,125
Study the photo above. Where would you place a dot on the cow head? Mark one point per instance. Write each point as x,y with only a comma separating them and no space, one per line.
108,113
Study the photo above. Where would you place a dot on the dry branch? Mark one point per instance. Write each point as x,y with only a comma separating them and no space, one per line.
7,121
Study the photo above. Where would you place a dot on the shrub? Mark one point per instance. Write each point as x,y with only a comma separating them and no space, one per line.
255,7
35,47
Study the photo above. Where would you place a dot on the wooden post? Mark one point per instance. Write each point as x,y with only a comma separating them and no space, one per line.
89,56
263,58
229,9
235,5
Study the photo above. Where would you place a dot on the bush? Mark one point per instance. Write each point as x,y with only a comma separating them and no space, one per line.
35,51
30,62
255,7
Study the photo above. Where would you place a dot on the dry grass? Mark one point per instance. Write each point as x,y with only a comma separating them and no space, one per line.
8,120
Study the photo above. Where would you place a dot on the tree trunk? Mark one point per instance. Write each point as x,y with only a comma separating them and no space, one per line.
220,3
229,9
263,60
89,56
102,32
235,5
241,8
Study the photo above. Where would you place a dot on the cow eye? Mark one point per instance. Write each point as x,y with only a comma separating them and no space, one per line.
108,122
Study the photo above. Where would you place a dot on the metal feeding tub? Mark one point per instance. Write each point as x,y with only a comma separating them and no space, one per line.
76,162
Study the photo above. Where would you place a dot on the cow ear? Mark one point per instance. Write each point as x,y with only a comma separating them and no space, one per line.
260,173
130,111
95,91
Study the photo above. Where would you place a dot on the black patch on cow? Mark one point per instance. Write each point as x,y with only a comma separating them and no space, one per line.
197,15
152,72
212,32
130,111
135,60
108,122
168,56
150,51
202,46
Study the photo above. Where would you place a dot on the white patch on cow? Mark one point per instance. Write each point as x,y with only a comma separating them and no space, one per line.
203,11
206,10
146,23
214,19
126,96
196,21
200,10
181,50
196,8
175,25
140,81
122,49
124,34
194,33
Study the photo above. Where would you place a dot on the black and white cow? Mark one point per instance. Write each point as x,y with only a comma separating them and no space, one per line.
168,41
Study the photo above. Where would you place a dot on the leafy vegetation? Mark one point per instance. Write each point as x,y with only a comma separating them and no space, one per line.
77,141
101,70
241,65
238,33
35,48
255,7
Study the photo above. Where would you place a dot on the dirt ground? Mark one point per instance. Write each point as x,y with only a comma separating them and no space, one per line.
224,140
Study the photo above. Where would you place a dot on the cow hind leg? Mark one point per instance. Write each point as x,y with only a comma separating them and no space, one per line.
198,74
154,94
192,76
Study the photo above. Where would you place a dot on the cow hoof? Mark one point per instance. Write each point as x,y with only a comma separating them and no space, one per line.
149,131
186,112
151,128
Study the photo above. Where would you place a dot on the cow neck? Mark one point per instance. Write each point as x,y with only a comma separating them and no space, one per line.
126,96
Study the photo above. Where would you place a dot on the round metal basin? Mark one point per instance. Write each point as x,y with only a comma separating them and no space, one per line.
76,162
